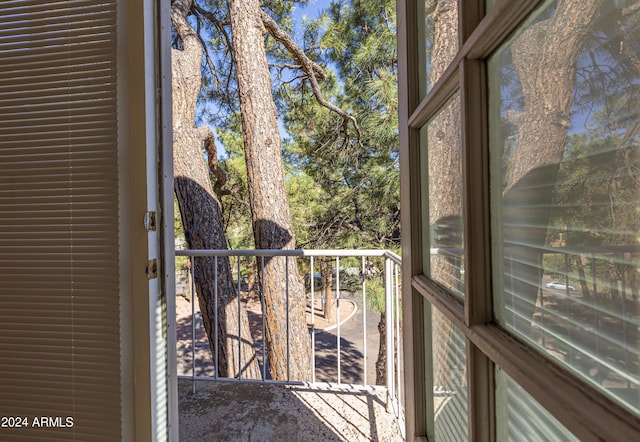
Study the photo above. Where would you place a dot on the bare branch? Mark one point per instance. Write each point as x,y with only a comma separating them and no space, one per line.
220,26
209,15
285,66
312,69
206,52
294,79
291,46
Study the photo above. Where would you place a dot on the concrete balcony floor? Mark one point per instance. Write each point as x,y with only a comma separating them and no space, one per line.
251,411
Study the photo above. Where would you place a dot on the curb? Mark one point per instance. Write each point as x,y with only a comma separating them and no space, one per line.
334,326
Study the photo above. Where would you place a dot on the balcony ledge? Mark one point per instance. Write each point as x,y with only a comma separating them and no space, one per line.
252,411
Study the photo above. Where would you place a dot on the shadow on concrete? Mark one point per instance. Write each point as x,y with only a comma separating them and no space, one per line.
244,411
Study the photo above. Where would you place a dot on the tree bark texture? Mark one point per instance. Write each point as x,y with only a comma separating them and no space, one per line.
287,337
544,57
327,281
201,212
381,361
444,155
582,277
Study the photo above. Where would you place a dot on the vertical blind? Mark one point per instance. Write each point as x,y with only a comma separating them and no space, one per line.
59,274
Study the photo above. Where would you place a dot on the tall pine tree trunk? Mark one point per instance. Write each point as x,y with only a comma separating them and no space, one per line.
200,209
272,224
327,281
381,361
544,57
445,186
582,277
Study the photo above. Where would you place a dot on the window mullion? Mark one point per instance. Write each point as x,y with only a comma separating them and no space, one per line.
477,245
481,395
441,92
501,20
450,305
477,241
584,411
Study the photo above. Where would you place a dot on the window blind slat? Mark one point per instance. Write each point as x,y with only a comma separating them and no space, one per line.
59,244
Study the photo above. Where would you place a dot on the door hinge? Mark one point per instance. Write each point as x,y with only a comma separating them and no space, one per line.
150,221
152,269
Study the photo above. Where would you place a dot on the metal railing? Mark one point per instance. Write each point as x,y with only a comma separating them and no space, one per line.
377,271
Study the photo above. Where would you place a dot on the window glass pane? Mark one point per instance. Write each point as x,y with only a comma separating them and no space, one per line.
441,37
520,417
442,173
449,380
565,137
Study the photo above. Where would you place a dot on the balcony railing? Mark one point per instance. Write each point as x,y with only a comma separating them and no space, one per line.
366,288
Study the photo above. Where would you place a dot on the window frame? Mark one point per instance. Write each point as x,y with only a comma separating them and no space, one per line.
562,393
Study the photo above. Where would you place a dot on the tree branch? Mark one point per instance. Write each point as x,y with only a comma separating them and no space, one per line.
212,160
220,26
291,46
214,74
179,11
209,15
285,66
312,69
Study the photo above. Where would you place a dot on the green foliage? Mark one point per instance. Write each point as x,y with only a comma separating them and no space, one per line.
343,193
210,18
375,295
235,202
343,188
595,196
356,181
182,262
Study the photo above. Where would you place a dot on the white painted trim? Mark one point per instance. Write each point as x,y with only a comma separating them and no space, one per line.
165,211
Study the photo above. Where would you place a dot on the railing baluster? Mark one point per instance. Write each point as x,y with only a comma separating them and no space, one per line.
398,347
364,322
239,326
193,326
389,324
313,325
286,273
313,254
264,336
215,319
338,310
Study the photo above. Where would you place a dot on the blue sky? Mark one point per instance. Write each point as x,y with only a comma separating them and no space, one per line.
309,11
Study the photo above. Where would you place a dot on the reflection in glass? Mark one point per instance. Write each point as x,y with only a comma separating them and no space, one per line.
565,137
441,37
441,136
449,380
519,417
